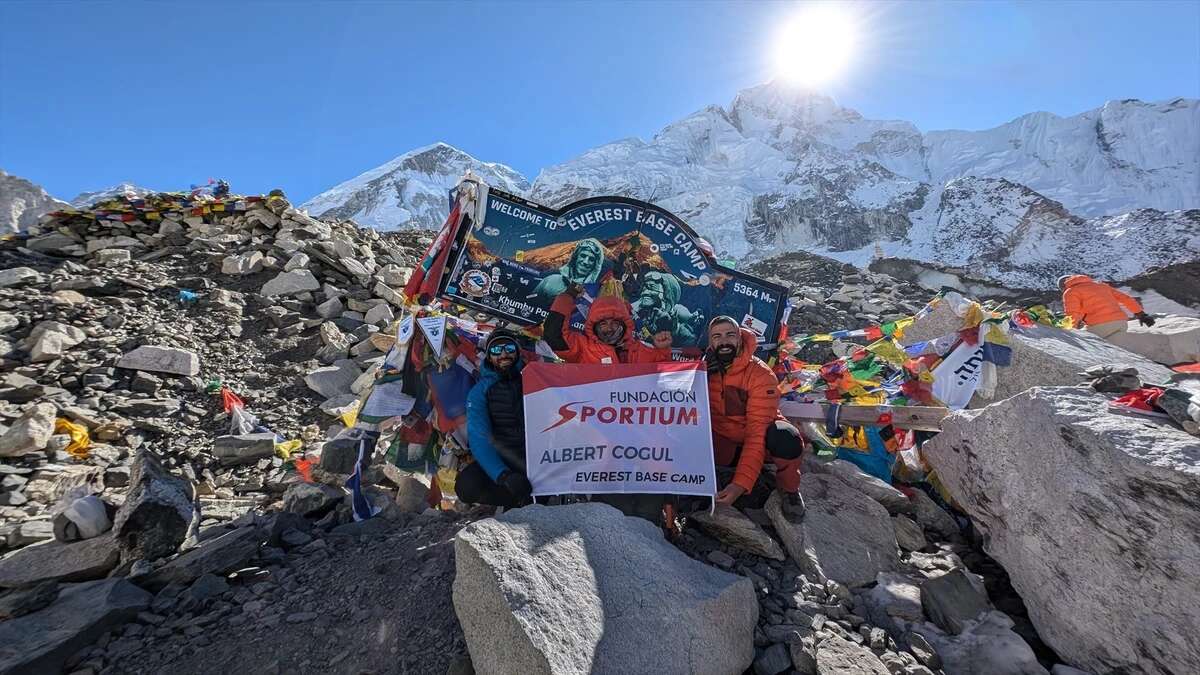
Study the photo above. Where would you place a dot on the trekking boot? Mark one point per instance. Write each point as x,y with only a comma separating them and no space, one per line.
793,506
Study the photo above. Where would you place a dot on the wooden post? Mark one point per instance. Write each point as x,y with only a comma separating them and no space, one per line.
925,418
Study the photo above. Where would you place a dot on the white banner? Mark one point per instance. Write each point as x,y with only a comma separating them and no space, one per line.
957,376
603,429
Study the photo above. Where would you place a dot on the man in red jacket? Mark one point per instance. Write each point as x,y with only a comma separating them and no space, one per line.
608,337
748,430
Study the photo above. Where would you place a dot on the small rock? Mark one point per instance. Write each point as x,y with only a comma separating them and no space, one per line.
908,534
161,359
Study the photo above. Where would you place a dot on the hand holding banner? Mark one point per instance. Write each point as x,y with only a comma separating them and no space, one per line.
604,429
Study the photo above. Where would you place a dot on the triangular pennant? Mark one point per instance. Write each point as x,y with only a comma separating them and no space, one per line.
405,332
434,328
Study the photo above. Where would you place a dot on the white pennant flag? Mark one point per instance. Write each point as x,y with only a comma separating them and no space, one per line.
405,332
434,328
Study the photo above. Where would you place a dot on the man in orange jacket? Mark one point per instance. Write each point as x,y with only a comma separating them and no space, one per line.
1099,307
608,337
743,397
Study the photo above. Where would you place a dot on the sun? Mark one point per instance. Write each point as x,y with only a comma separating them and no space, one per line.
816,45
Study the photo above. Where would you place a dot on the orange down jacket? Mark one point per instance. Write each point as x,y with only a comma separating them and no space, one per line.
1089,302
743,401
585,347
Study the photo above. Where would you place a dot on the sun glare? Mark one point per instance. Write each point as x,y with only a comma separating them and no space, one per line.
815,46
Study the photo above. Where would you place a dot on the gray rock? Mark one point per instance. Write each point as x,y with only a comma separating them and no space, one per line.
56,561
31,431
924,651
331,381
733,528
220,555
379,314
31,532
111,256
411,494
583,588
246,263
892,499
158,359
17,276
845,535
987,645
311,500
330,309
774,660
147,407
1171,340
838,656
291,283
952,600
1092,514
231,450
909,535
28,600
932,517
48,346
41,642
296,262
157,512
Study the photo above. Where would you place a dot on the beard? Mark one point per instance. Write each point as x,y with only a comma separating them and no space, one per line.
724,353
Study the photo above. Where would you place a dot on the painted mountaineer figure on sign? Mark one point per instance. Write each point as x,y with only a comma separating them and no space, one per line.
584,267
657,308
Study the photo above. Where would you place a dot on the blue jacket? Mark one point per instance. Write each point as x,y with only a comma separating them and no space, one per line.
496,422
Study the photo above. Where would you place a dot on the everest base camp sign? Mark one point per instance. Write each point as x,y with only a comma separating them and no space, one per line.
638,428
514,261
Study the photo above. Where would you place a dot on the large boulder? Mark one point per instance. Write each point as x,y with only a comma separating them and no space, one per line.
844,535
157,512
583,588
1171,340
1093,515
57,561
41,642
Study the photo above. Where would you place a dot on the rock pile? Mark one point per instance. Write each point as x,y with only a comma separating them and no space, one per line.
125,319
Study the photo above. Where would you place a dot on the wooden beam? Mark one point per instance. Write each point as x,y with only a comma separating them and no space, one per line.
925,418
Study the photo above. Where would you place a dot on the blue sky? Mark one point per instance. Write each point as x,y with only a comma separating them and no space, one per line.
304,95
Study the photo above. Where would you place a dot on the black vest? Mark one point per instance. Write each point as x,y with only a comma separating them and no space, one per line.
506,409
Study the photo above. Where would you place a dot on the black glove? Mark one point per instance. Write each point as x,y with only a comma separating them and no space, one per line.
1145,319
517,485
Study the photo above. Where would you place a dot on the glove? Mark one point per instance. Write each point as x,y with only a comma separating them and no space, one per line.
1145,319
517,485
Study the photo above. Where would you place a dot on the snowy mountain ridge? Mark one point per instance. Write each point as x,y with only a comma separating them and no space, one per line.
782,169
411,190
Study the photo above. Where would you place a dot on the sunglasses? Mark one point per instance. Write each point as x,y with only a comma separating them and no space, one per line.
502,348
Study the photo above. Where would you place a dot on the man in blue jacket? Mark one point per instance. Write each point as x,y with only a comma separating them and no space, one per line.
496,428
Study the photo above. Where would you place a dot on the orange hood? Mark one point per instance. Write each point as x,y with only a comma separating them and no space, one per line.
610,307
1076,279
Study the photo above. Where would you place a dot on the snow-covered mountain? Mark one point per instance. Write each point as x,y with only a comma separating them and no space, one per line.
1106,191
1111,191
130,190
411,190
22,203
